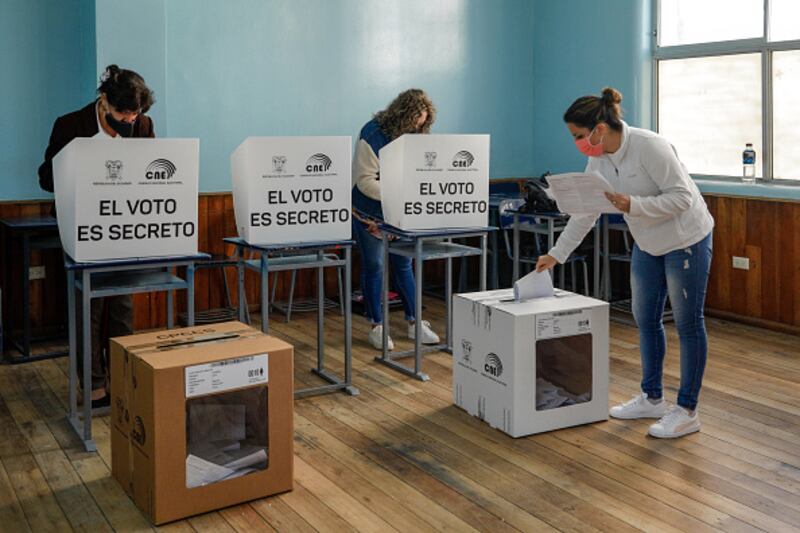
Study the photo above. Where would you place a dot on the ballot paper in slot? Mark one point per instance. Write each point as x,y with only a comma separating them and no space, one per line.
580,193
227,436
435,181
534,285
127,198
292,189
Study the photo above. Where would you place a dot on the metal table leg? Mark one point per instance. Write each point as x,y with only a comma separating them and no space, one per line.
320,314
264,293
482,280
348,324
240,283
190,295
596,269
515,269
418,310
448,296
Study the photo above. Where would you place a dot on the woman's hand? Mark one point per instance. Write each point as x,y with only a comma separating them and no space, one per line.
372,228
545,262
620,201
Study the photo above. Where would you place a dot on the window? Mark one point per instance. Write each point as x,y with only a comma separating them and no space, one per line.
728,74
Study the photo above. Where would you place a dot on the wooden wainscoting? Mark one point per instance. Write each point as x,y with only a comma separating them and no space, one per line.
768,233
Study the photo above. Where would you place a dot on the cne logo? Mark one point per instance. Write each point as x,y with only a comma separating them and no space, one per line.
493,365
113,170
278,163
318,163
137,431
463,159
430,159
160,169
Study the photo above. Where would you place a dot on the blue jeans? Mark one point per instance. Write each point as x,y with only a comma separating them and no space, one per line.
683,274
371,251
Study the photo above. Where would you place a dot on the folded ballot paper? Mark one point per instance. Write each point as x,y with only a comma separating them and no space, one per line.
534,285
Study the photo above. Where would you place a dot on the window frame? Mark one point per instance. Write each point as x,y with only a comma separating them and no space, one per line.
760,45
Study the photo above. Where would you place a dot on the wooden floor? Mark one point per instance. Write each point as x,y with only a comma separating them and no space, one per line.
401,457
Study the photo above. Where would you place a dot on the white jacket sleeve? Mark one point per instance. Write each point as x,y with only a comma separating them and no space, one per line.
366,171
572,236
660,161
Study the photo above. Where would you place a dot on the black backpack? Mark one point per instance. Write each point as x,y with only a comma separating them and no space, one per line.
536,199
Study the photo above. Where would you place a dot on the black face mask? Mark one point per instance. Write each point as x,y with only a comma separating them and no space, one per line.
124,129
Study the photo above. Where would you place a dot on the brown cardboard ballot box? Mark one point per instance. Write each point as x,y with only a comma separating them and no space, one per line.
201,418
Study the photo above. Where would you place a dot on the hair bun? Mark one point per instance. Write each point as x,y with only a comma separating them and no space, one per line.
611,96
110,73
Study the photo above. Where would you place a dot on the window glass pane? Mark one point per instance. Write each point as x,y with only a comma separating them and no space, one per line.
784,20
786,113
709,108
706,21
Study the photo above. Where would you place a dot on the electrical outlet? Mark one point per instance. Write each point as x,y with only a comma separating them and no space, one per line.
741,263
36,272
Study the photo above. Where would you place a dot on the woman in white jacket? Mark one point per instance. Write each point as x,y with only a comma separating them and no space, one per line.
672,227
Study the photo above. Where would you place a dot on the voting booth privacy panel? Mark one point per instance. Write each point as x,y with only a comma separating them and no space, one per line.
530,366
435,181
127,198
292,189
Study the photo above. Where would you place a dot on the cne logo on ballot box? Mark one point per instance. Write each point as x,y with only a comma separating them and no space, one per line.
435,181
292,189
127,198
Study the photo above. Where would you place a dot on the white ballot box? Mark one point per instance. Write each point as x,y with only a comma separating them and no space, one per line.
435,181
292,189
127,198
531,366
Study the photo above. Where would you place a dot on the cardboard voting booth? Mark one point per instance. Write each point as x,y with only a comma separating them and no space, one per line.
530,366
201,418
292,189
126,198
435,181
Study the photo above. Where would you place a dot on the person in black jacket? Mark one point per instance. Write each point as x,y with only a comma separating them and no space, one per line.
119,111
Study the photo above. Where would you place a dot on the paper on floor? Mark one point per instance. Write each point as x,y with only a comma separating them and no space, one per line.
534,285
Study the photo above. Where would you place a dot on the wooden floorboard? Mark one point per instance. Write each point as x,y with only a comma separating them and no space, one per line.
401,457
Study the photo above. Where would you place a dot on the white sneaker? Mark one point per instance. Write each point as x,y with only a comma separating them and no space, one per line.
676,423
639,407
428,336
376,338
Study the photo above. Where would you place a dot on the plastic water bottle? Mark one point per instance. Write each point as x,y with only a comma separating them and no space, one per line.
749,164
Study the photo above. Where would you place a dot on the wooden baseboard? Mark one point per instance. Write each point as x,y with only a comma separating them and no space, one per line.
757,322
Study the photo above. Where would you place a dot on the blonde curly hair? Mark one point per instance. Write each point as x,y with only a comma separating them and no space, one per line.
404,111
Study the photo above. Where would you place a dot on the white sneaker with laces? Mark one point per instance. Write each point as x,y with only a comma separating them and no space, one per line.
676,423
639,407
376,338
428,335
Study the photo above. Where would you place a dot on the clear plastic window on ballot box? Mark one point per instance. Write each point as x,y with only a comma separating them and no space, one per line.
226,436
563,371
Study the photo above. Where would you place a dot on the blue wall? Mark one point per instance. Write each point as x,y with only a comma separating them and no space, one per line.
581,46
132,35
47,57
321,67
224,70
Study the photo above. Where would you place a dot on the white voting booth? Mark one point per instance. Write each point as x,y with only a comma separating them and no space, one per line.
292,189
435,181
127,198
530,366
